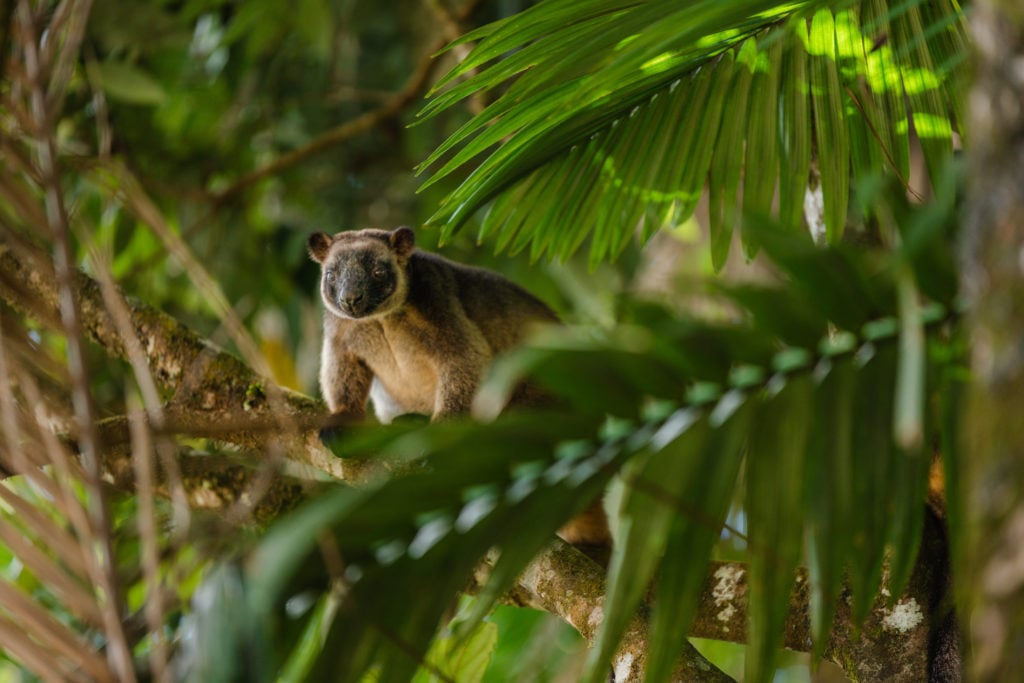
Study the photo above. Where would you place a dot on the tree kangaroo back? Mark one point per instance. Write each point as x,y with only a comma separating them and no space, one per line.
415,333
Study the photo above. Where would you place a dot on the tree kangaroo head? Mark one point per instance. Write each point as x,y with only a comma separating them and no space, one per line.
363,272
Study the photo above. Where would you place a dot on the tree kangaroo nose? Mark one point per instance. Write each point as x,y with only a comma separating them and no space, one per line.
352,298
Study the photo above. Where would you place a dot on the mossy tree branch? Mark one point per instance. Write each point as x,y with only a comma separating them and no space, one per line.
209,391
893,643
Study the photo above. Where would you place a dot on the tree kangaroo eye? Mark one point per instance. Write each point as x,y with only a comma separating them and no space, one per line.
380,273
329,276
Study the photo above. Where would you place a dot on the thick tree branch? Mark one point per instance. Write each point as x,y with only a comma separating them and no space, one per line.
209,390
892,645
216,482
567,583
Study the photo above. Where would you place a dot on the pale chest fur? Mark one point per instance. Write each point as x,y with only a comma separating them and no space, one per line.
408,357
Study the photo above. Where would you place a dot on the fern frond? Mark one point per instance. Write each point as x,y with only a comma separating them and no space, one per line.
638,104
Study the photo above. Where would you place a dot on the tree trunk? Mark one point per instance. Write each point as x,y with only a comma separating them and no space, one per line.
993,282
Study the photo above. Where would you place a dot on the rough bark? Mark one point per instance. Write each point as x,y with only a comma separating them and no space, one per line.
567,583
993,282
227,485
209,391
893,644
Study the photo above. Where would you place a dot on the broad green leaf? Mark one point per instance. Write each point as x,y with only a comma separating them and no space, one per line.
126,82
547,498
761,167
727,163
947,31
952,386
886,87
225,624
603,60
925,235
910,467
630,172
705,134
664,138
830,278
909,488
795,129
831,132
309,646
923,87
578,215
775,485
873,451
620,196
463,660
782,313
908,418
653,483
866,127
829,474
696,526
285,547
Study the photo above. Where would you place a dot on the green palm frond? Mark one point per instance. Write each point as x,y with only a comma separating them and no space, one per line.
640,103
678,407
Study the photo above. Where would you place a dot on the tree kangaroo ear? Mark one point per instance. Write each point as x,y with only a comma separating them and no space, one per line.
403,241
318,244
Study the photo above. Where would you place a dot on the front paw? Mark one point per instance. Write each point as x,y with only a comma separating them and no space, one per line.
330,435
335,426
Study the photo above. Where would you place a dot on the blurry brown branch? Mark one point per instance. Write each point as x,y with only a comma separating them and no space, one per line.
229,485
992,283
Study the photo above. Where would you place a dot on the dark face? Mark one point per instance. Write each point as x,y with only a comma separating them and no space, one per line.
358,282
363,271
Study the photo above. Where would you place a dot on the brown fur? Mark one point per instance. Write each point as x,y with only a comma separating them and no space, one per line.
426,345
419,337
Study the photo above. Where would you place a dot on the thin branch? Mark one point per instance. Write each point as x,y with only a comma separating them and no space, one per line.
40,660
37,620
392,107
142,458
104,571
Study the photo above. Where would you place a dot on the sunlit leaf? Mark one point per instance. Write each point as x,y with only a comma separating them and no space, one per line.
761,170
726,162
830,128
795,129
